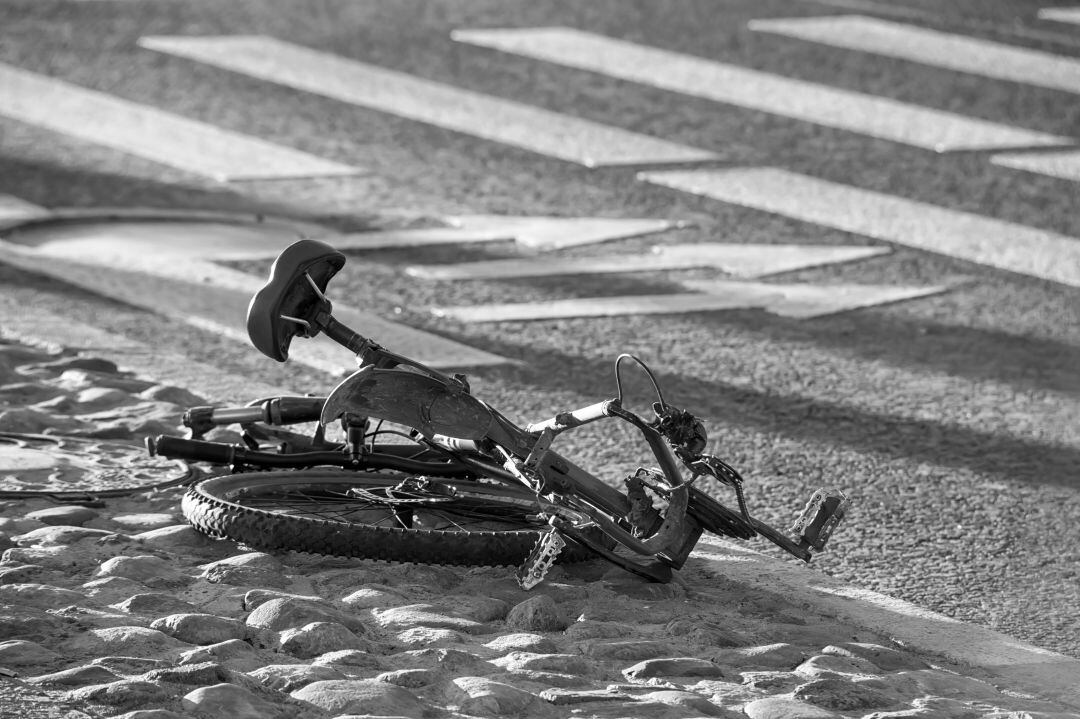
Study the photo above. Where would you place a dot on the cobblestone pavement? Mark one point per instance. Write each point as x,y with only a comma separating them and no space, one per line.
117,608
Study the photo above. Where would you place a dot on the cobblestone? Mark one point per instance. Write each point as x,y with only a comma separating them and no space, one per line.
290,677
113,612
74,516
75,677
316,638
367,696
200,628
673,667
538,614
19,652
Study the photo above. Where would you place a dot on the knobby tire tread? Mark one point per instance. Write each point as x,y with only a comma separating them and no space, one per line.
218,517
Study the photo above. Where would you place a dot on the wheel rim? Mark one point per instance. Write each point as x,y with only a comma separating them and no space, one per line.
392,505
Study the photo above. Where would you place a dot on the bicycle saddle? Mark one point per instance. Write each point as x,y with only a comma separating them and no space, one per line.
412,399
289,293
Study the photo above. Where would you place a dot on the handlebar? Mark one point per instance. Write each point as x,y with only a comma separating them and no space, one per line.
275,411
386,457
575,418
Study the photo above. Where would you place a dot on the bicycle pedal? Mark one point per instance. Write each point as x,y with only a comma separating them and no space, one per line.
820,518
540,559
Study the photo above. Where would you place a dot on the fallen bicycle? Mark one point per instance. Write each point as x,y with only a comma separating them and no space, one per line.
461,484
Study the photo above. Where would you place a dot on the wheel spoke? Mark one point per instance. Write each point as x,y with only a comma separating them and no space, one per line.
379,506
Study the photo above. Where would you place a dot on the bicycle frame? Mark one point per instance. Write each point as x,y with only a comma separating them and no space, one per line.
443,411
421,397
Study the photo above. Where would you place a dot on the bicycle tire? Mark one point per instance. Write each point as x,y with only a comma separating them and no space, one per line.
254,508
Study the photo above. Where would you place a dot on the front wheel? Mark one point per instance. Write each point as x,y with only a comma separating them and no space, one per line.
392,517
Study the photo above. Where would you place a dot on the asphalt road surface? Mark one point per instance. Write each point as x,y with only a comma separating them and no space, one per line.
951,418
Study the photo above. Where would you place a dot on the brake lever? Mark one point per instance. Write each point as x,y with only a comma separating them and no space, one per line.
683,431
714,467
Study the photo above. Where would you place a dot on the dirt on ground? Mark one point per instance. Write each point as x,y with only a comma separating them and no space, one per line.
113,606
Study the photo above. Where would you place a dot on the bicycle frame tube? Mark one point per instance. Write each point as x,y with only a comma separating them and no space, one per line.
561,474
556,472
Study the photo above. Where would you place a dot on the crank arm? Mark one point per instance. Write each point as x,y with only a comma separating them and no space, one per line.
655,570
671,544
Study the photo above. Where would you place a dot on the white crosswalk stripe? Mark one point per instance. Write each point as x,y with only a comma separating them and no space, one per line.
788,300
884,217
883,8
811,102
151,133
512,123
543,233
1065,165
932,47
35,326
1061,14
174,280
14,209
736,260
963,235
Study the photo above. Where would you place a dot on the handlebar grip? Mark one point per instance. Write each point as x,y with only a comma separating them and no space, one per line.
578,417
289,410
193,449
236,415
277,410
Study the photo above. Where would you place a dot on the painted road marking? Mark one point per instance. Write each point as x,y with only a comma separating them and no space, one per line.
186,287
151,133
787,300
1065,165
25,323
14,210
811,102
932,47
978,25
542,233
870,6
963,235
472,113
737,260
1061,14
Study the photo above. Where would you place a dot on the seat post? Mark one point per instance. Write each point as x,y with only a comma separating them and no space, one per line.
345,336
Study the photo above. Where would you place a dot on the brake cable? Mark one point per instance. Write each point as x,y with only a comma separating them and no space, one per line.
716,467
648,373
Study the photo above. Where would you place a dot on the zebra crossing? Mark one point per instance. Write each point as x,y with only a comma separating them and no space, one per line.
799,300
856,112
932,47
548,133
746,261
154,134
139,263
14,210
974,238
540,233
201,148
1064,165
1061,14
